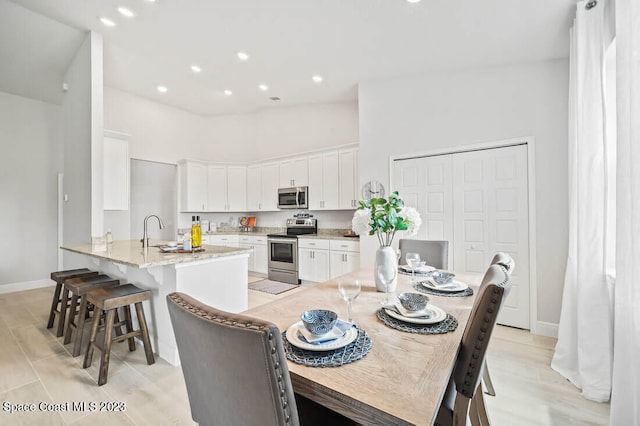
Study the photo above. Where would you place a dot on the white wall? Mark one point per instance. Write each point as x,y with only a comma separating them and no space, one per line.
429,112
30,139
158,132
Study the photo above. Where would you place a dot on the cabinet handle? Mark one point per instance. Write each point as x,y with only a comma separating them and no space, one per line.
259,206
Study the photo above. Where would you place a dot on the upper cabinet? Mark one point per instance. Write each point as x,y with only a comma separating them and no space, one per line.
262,187
212,188
323,181
193,186
116,171
294,172
348,164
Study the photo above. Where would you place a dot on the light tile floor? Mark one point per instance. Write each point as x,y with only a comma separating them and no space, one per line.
36,368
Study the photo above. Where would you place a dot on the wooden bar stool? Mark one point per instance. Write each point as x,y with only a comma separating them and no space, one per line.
57,307
79,287
109,300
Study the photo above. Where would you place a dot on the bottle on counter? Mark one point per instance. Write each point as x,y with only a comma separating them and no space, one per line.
109,236
196,234
199,229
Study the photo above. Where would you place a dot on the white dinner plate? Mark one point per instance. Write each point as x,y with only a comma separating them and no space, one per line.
293,336
452,287
419,270
438,316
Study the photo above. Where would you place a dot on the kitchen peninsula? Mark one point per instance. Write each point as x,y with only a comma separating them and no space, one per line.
217,276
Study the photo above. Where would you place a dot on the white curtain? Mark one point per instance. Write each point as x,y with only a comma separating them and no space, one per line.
625,396
585,349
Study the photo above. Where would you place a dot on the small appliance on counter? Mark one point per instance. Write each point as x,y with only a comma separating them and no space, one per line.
283,249
247,223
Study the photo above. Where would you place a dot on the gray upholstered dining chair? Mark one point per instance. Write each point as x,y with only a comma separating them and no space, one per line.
507,262
463,401
436,253
236,371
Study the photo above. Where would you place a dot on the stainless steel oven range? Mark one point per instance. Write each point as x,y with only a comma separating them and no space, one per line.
283,249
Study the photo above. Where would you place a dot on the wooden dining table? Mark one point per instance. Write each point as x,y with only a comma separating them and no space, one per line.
402,380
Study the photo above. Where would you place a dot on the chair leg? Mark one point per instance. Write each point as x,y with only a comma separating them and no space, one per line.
88,356
63,311
82,316
129,327
460,410
106,349
73,307
486,379
54,305
481,408
145,334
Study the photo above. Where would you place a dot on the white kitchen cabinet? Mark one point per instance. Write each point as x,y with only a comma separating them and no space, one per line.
262,187
193,186
226,188
116,171
294,172
344,257
258,258
313,259
348,186
324,181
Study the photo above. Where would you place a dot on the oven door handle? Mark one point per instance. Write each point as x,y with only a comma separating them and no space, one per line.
282,240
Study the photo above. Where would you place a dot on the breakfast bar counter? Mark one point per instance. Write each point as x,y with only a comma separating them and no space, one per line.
217,276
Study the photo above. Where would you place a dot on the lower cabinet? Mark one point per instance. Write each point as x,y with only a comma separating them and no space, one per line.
258,257
345,257
313,259
320,260
223,240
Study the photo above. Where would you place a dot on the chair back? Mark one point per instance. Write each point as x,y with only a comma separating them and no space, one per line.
475,339
436,253
234,366
506,261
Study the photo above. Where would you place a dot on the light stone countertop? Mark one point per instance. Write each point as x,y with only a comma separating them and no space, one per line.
131,253
323,233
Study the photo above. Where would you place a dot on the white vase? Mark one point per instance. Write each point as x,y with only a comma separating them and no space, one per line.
386,256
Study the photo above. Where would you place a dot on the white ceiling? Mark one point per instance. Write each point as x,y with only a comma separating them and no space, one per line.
345,41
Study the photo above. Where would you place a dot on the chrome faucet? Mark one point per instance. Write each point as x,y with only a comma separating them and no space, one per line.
145,236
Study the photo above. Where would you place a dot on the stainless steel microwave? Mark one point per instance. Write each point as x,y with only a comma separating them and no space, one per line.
293,198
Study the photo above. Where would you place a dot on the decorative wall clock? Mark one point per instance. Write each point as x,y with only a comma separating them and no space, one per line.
372,189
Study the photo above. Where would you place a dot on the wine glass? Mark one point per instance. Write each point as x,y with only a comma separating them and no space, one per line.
413,260
349,290
386,276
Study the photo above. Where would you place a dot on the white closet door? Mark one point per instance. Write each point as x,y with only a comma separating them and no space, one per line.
490,214
426,184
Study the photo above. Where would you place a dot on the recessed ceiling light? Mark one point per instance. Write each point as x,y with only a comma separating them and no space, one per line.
317,78
196,68
413,1
126,12
228,92
263,87
151,1
242,56
107,22
162,89
274,98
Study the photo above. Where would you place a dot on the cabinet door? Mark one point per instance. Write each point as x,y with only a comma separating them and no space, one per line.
315,182
337,260
193,187
330,187
306,267
347,191
270,187
260,258
285,174
352,262
254,188
116,174
252,257
236,188
300,174
216,188
321,264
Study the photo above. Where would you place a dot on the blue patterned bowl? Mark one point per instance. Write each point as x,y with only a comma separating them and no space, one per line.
319,321
413,301
443,277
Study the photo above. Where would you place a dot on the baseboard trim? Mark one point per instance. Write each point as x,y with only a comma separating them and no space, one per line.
548,329
25,285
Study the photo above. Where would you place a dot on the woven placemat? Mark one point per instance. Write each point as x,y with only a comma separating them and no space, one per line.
422,289
354,351
444,326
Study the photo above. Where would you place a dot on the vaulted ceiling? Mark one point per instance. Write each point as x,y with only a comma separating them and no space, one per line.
288,42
